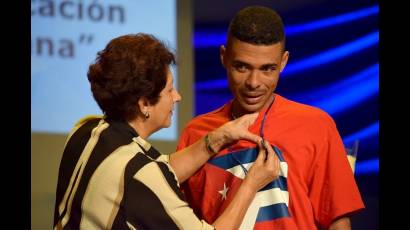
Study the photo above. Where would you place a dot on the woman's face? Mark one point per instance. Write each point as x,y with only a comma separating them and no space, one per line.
161,112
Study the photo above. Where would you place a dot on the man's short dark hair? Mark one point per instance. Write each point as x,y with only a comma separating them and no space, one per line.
130,67
257,25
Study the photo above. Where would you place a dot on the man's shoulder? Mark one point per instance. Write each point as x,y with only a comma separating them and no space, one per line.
305,111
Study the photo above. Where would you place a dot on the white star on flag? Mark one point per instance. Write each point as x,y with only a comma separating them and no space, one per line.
224,191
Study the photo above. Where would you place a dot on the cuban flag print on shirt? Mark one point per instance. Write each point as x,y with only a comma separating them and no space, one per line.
270,203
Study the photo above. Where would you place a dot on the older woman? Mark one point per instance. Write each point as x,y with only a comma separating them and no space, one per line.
110,177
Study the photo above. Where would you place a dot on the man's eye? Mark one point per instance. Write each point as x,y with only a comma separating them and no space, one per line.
268,69
241,68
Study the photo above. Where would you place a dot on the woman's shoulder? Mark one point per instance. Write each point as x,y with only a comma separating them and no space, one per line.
89,120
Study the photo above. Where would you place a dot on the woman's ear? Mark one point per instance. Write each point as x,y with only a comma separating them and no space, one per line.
143,105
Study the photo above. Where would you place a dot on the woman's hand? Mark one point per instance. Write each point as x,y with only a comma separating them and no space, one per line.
233,131
264,169
188,160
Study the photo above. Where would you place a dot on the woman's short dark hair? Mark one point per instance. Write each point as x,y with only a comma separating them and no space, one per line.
130,67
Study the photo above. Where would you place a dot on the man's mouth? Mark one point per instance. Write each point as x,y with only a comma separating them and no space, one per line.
252,98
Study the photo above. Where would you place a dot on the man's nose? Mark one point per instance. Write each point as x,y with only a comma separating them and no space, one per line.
252,82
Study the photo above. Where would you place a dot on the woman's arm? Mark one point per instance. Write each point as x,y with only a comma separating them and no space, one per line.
188,160
154,200
341,224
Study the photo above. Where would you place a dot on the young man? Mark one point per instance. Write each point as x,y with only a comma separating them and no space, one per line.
316,186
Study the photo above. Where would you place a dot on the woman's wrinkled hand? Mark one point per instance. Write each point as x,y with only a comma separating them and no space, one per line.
265,168
233,131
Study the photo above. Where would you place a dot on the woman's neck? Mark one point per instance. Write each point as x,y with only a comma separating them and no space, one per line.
141,127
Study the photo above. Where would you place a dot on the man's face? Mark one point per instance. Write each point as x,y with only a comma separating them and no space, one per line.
253,73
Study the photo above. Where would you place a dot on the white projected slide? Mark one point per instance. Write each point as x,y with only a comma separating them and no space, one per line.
65,38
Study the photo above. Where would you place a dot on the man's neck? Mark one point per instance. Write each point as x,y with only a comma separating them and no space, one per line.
238,111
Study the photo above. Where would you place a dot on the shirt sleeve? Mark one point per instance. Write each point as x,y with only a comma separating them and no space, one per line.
157,203
333,189
164,158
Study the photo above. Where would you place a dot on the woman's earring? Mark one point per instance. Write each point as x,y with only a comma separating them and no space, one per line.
146,115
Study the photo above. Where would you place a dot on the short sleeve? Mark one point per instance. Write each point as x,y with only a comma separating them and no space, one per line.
154,201
164,158
333,189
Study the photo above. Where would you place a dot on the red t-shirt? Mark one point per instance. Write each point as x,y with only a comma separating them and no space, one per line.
316,184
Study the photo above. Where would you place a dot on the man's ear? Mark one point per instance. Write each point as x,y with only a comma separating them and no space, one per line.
284,61
222,55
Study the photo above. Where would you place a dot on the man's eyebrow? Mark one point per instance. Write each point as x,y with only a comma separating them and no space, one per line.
264,66
239,62
269,65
